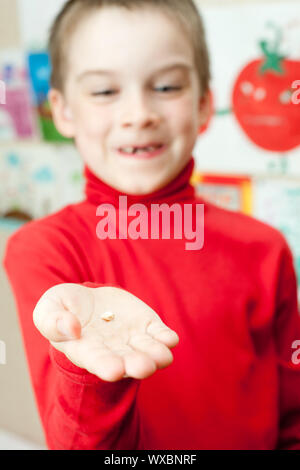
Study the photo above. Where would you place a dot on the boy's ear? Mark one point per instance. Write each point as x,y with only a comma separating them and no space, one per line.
61,113
204,109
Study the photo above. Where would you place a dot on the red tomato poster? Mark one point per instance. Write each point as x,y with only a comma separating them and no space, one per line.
254,128
263,97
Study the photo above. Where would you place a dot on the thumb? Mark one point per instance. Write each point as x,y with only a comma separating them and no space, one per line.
57,326
68,327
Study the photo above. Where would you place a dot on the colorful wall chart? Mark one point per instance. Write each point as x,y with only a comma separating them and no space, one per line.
277,202
39,71
230,192
39,179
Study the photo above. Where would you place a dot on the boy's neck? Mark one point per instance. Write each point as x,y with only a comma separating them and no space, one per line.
179,189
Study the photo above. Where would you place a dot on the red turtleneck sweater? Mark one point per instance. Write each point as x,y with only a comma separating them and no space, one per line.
232,384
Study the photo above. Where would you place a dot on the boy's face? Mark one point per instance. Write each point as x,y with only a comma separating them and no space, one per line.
131,82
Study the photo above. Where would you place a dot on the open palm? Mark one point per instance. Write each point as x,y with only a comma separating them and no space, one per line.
135,343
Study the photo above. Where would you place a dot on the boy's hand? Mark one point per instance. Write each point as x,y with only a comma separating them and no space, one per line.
135,343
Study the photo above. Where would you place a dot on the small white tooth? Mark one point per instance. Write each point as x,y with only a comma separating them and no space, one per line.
128,149
140,150
147,149
108,316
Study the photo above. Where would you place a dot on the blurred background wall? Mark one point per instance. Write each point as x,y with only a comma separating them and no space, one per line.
247,159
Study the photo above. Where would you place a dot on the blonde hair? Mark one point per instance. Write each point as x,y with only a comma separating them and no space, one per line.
184,11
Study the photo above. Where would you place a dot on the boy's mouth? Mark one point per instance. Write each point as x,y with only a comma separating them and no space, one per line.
146,151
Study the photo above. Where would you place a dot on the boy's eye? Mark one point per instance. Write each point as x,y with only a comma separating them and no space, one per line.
103,93
168,88
163,89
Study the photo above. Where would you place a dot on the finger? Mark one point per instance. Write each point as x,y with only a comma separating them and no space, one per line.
137,364
96,358
62,311
108,367
159,352
159,331
58,325
68,326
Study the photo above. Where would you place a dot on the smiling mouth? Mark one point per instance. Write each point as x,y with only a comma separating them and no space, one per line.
142,152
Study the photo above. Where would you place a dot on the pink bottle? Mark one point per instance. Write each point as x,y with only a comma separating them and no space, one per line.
17,102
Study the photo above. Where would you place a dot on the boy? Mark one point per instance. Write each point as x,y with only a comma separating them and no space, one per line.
129,84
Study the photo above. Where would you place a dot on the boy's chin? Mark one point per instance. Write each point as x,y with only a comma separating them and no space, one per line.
139,186
135,188
146,183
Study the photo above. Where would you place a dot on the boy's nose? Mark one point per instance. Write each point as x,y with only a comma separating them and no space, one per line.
138,113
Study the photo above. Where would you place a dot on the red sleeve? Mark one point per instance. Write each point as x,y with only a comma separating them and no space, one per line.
77,409
287,330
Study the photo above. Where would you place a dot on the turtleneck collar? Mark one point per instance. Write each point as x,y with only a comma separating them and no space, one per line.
98,192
